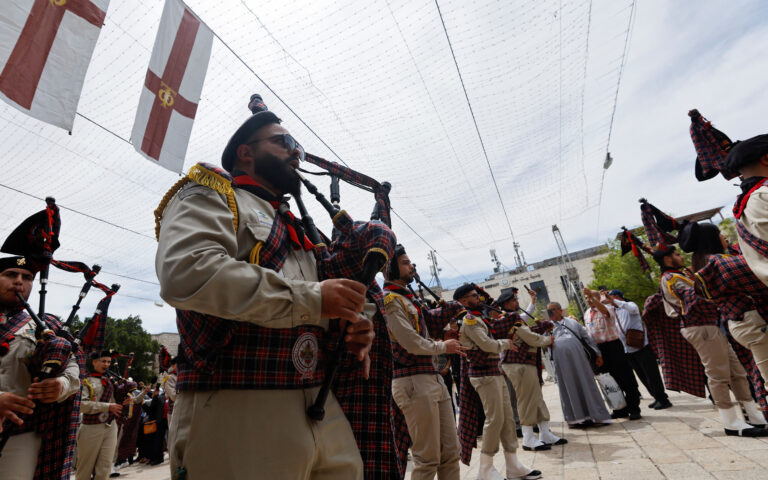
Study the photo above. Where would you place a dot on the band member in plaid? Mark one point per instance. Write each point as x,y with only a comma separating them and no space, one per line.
485,376
522,366
253,317
698,321
750,159
417,387
97,437
36,413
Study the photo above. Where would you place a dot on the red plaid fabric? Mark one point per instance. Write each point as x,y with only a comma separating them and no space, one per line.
368,406
470,414
680,363
219,354
728,275
712,147
164,359
402,437
481,364
95,328
657,225
696,310
630,243
106,397
431,325
760,245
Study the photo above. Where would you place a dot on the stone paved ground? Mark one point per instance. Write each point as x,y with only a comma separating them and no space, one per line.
683,442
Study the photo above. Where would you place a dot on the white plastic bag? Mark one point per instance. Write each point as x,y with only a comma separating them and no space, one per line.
613,395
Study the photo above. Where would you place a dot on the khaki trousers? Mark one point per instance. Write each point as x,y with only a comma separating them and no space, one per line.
96,446
19,459
530,401
428,413
499,418
721,365
261,434
748,333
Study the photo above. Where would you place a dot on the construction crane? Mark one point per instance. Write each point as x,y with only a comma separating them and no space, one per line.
570,276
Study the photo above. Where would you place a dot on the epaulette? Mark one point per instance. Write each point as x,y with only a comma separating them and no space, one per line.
204,174
470,320
389,298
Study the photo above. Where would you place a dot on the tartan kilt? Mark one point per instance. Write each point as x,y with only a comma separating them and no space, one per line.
368,406
470,414
680,363
753,374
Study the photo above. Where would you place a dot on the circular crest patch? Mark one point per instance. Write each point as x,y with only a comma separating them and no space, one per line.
304,355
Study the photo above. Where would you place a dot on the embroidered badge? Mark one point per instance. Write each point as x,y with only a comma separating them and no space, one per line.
263,217
304,355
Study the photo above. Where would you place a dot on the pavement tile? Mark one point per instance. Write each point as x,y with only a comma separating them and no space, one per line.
716,459
684,471
581,473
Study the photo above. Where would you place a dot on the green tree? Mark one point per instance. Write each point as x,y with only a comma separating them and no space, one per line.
126,335
728,228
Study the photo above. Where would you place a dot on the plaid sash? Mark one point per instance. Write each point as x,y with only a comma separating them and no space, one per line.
680,363
695,310
760,245
470,414
106,397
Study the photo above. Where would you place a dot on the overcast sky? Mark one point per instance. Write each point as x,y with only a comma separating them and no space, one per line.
377,83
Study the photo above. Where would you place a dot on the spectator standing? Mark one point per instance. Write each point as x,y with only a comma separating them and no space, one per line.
642,360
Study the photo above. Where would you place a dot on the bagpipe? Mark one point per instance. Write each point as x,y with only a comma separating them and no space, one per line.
35,240
357,250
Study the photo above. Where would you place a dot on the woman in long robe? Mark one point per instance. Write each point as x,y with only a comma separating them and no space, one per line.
579,396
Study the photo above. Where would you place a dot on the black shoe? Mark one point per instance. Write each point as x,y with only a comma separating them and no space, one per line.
519,433
584,424
654,404
623,413
532,475
747,432
538,448
635,416
155,462
113,475
662,405
562,441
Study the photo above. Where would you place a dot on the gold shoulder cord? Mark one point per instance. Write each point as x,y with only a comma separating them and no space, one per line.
206,178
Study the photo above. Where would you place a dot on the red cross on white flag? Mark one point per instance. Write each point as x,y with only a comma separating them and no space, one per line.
45,49
172,87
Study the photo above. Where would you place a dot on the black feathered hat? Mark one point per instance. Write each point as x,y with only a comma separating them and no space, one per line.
700,238
747,152
260,118
463,290
506,295
393,269
33,242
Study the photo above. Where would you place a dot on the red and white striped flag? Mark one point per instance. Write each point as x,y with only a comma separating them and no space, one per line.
45,49
172,87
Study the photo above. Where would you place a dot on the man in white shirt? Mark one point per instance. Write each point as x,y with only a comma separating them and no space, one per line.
642,360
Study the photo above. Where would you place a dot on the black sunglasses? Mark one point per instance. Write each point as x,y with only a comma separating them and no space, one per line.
286,141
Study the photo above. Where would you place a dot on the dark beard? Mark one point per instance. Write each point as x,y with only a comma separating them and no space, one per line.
278,173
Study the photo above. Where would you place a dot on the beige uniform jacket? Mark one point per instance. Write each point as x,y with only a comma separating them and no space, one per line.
14,375
169,385
203,263
755,221
671,300
475,335
91,403
402,322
